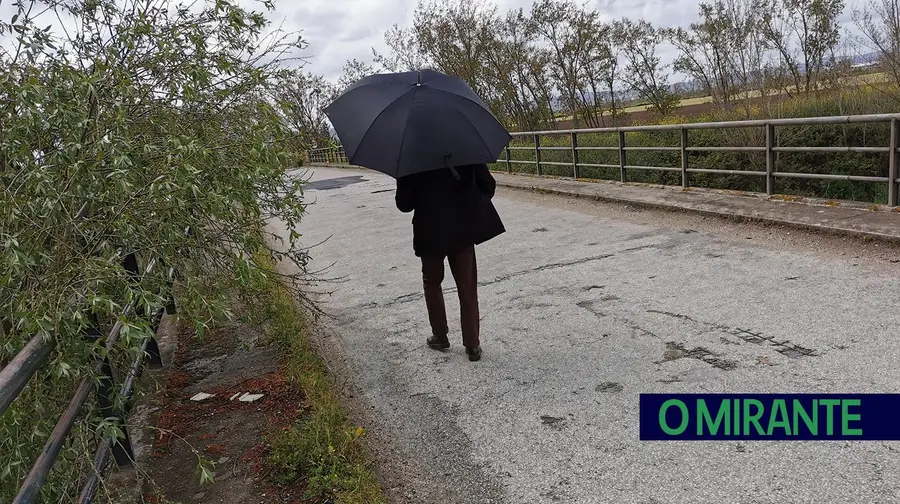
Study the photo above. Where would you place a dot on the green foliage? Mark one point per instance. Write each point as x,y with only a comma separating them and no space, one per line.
159,118
323,448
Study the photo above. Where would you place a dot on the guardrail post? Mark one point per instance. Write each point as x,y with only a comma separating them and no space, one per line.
154,355
131,266
770,159
537,154
508,164
622,163
575,156
121,448
684,158
892,169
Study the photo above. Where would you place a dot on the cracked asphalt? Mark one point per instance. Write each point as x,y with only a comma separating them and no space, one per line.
586,305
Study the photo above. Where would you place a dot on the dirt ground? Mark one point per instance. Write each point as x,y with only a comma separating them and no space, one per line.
171,432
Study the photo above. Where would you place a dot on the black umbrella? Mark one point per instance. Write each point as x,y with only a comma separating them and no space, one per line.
405,123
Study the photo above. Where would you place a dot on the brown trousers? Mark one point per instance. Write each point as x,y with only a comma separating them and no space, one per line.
463,268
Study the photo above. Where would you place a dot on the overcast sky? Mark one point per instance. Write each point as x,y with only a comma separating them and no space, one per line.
339,30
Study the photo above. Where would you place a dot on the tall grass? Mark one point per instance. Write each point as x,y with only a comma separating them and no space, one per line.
323,449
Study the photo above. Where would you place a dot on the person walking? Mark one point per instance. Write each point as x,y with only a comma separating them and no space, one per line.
453,212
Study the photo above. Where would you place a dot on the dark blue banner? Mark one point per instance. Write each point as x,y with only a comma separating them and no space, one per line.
770,417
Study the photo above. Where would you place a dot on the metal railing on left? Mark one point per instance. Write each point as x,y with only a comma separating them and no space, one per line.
113,402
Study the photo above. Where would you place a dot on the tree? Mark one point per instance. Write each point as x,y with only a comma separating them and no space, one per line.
879,23
301,98
598,68
515,67
804,33
456,37
570,33
405,54
504,71
609,68
353,71
644,74
723,51
705,52
749,47
152,118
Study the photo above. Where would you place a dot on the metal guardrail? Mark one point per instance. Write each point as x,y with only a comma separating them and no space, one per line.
328,155
771,174
770,150
18,372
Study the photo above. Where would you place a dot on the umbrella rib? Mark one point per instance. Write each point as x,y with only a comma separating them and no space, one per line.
480,136
376,120
402,142
481,106
477,132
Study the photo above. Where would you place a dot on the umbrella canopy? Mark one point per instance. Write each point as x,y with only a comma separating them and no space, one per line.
406,123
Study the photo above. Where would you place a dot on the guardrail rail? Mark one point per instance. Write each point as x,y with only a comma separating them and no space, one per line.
328,155
30,359
770,150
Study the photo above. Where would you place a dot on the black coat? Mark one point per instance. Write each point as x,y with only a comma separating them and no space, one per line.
450,214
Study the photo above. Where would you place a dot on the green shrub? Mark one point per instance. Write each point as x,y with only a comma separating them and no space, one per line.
157,117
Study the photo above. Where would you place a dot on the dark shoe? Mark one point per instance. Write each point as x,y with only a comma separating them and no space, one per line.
474,353
437,343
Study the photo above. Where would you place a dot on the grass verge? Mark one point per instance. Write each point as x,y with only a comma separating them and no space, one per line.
323,449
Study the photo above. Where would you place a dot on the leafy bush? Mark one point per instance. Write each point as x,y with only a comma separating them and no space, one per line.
157,116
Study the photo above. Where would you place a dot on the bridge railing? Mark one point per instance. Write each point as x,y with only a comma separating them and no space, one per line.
770,149
328,155
14,377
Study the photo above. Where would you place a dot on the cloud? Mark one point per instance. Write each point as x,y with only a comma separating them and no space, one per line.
340,30
664,13
360,33
338,34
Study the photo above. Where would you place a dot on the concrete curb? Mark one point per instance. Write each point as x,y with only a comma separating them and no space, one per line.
340,166
822,228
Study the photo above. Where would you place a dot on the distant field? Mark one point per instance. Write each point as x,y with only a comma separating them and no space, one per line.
695,106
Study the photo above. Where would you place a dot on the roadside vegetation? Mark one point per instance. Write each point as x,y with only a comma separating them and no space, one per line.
322,450
124,124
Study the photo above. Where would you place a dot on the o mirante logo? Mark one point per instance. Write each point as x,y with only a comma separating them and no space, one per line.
773,417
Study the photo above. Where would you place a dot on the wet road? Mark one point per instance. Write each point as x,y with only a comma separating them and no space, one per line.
585,306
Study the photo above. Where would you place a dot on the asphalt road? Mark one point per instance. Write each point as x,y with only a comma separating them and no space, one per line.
584,307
